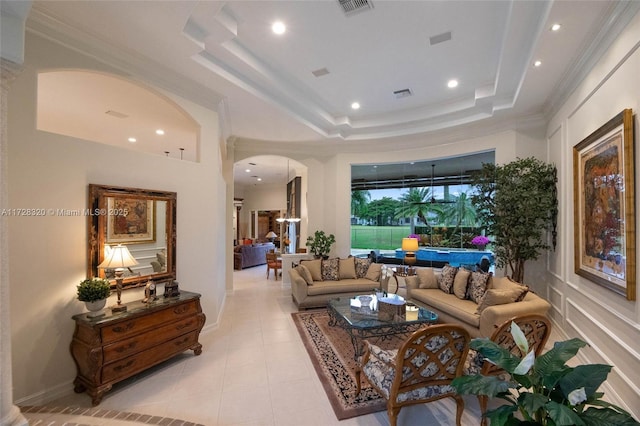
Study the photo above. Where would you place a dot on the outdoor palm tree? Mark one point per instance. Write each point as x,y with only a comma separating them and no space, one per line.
459,213
415,203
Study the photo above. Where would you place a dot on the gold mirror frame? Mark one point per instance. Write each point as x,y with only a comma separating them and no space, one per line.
97,230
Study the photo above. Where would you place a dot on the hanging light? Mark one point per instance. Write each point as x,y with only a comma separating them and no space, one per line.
287,217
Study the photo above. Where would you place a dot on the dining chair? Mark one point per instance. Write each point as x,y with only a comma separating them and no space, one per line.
273,263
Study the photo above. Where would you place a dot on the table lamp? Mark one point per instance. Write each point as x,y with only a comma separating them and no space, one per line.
410,246
271,236
118,259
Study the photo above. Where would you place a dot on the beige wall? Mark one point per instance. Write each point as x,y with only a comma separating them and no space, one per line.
607,321
47,255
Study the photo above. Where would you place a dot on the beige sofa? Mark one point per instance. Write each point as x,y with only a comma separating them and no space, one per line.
315,282
479,307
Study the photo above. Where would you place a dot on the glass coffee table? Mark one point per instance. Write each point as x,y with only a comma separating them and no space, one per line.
365,323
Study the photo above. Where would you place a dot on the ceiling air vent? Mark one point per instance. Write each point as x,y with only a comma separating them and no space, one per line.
320,72
440,38
404,93
353,6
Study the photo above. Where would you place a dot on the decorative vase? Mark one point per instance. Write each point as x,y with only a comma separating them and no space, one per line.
481,247
95,307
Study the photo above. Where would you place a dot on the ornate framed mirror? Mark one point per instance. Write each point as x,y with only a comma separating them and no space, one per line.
144,221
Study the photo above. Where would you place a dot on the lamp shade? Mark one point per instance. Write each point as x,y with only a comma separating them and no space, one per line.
271,234
409,244
120,257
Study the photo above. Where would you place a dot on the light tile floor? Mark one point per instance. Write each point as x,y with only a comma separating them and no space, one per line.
254,370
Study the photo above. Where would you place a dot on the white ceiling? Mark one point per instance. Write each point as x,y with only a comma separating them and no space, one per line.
214,52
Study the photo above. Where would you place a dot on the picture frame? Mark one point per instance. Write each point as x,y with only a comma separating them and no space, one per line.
604,206
130,220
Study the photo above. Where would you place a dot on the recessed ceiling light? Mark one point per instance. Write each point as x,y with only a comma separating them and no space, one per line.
248,170
355,105
537,63
132,140
160,132
259,179
452,83
278,28
556,27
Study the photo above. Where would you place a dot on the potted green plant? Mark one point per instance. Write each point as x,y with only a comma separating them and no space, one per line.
543,391
516,203
94,292
320,243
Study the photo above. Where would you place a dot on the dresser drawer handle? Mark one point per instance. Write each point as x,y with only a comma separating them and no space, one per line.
125,348
181,309
119,368
121,329
185,325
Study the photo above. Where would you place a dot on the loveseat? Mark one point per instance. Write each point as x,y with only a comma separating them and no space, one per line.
248,255
475,300
315,282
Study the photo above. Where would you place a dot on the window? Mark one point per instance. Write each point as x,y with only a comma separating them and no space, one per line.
429,198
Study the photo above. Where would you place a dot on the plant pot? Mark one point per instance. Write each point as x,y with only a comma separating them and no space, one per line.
95,307
481,247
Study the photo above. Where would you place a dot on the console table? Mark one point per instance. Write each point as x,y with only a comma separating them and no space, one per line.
118,345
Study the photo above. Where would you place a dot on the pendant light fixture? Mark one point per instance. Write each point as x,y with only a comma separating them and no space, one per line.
287,217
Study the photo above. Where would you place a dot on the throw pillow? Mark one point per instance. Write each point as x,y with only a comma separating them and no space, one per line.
305,273
460,283
477,285
330,268
445,280
347,268
373,273
426,278
506,283
497,297
362,266
315,267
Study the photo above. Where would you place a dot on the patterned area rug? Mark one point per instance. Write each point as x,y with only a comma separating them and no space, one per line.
331,352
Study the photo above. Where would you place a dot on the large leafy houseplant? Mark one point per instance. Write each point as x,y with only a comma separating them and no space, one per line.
517,202
544,390
320,243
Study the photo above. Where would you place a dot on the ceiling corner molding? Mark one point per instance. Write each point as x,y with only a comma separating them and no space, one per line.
128,63
605,34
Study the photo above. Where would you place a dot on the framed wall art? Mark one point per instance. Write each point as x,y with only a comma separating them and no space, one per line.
604,206
130,220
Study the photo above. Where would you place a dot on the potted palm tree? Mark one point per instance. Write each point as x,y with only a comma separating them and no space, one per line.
94,292
320,243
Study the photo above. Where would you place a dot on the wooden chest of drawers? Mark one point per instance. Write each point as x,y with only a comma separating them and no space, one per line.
113,347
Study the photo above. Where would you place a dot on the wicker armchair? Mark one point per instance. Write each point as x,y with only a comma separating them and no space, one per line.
421,370
536,329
